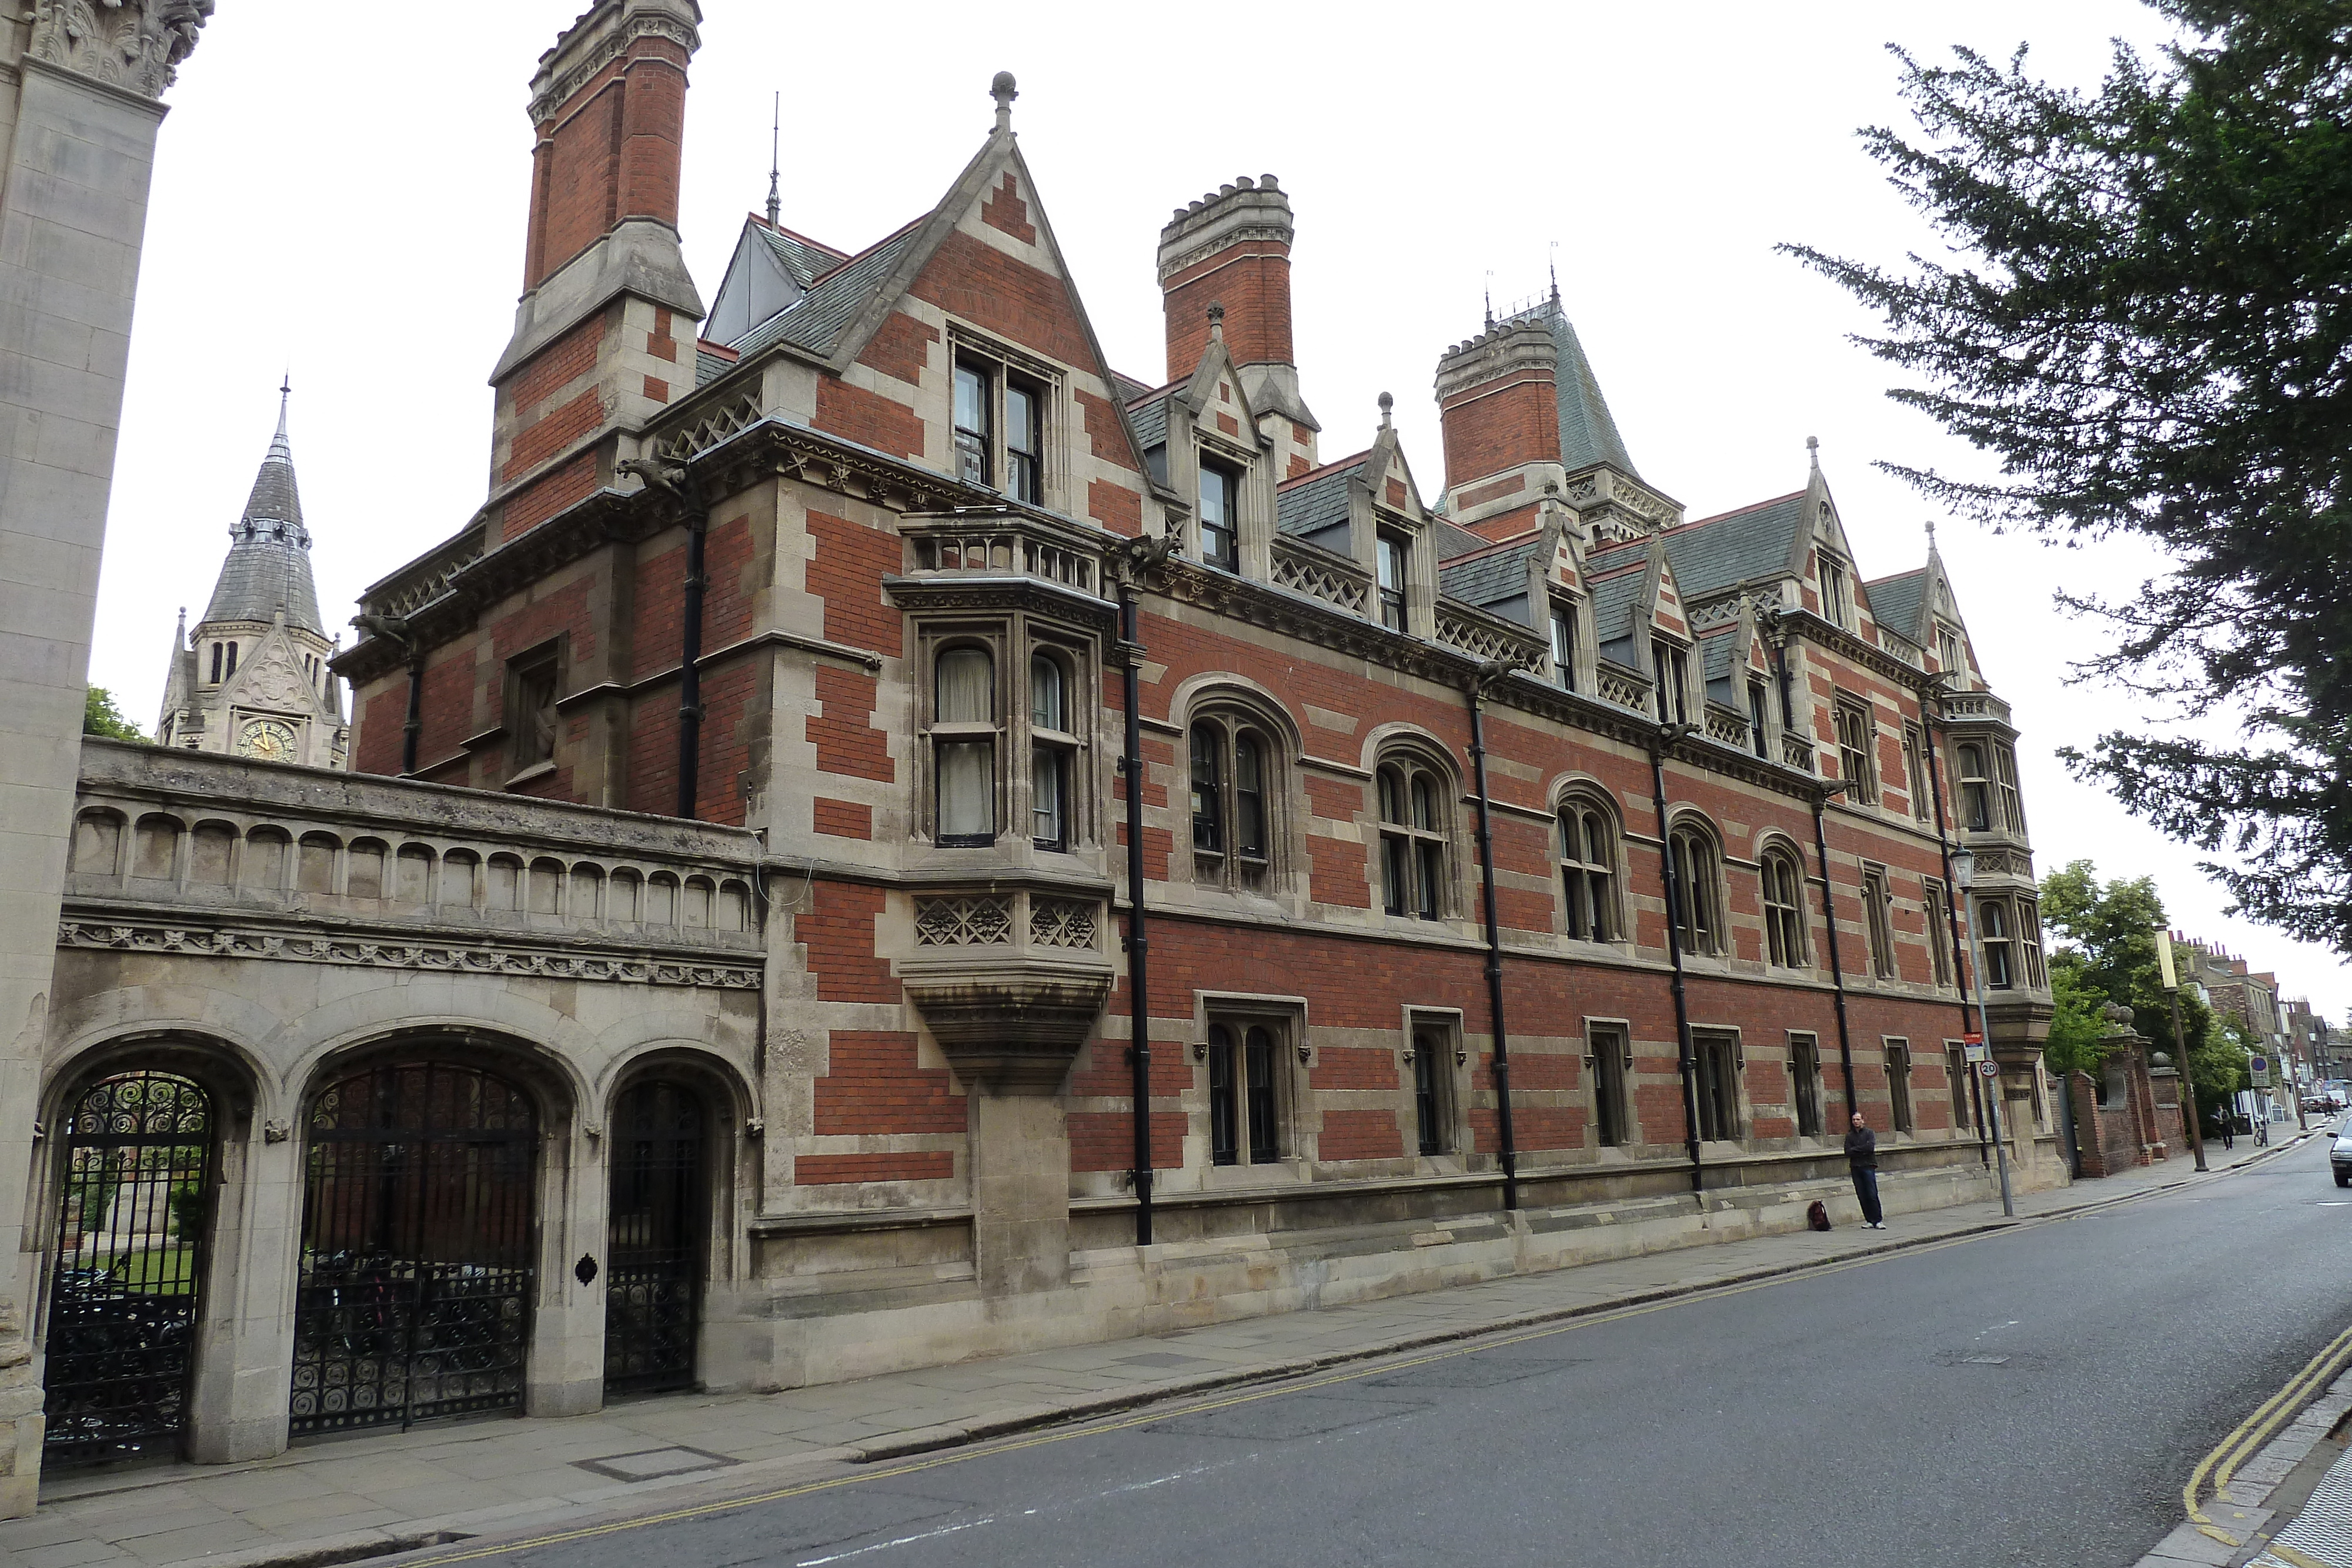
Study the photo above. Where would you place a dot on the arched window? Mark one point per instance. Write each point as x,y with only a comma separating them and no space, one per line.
1208,790
1784,909
1415,824
1976,791
1242,1098
1588,869
1053,747
1699,891
1233,782
963,746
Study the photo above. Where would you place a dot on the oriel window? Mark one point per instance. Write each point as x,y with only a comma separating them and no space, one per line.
963,746
1976,790
1052,748
1220,517
2013,805
1993,935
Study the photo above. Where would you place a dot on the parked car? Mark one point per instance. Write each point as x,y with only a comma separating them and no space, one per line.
2339,1158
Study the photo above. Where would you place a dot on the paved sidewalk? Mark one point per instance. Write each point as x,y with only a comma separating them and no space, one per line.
335,1500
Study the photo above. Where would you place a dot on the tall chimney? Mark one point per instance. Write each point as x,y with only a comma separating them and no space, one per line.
1232,246
604,331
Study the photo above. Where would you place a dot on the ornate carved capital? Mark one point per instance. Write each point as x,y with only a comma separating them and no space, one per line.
133,43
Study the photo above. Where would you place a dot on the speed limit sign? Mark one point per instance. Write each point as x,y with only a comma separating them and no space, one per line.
1988,1069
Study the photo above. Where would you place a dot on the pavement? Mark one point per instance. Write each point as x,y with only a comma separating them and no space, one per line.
345,1498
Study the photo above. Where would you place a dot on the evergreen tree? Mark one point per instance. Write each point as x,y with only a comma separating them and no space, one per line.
2148,321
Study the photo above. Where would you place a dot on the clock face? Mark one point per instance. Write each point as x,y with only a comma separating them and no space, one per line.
267,740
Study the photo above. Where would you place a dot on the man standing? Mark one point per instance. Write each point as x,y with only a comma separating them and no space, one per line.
1862,1158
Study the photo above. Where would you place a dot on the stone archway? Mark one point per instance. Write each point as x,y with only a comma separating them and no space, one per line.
418,1252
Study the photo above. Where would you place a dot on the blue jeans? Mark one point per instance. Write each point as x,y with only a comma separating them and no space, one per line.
1866,1192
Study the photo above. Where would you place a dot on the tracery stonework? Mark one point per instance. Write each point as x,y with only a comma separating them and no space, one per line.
136,44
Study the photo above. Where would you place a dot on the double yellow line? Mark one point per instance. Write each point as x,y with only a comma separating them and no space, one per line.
2222,1465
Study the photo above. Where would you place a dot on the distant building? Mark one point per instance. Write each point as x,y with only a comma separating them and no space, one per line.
253,678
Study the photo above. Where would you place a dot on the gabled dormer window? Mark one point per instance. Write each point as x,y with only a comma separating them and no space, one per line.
1670,662
1837,594
1563,644
1757,706
1949,653
1393,551
1221,490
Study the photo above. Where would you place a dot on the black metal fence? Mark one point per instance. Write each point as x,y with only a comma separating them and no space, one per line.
652,1299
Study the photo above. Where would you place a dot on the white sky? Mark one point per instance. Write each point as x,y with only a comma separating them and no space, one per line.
349,199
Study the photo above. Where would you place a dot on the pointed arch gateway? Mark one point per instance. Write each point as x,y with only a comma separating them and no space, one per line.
414,1297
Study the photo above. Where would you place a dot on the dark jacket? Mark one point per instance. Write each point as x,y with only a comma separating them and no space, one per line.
1862,1149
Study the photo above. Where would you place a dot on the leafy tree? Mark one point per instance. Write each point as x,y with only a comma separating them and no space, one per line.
2080,1019
2108,933
2148,320
99,716
2220,1068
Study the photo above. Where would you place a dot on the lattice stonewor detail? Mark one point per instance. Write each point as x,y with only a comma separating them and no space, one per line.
1484,641
976,921
1631,691
1317,581
1062,923
1726,728
712,429
1796,753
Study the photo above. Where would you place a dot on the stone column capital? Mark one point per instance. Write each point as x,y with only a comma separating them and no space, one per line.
136,44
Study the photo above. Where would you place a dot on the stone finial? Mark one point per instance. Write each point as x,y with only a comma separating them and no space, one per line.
1217,320
1387,403
1002,90
1813,451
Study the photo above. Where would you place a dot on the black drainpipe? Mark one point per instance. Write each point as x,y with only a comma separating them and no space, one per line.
1138,1018
1829,904
1952,920
415,726
1687,1062
1510,1150
689,685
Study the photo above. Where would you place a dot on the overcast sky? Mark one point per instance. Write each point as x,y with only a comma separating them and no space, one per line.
348,199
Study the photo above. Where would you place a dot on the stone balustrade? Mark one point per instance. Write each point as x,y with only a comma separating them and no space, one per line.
188,853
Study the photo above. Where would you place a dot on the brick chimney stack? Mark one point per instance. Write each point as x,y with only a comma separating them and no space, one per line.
1232,246
1498,398
604,331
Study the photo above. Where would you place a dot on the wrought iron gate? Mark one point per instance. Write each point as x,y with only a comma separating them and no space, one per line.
651,1298
131,1225
415,1296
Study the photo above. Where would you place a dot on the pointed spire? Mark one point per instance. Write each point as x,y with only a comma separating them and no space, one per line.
1002,91
776,164
1587,434
278,449
267,571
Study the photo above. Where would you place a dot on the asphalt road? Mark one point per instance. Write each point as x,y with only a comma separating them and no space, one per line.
2033,1398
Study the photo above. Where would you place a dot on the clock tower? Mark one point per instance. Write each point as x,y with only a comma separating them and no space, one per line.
252,677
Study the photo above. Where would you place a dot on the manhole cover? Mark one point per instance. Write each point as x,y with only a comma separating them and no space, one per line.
648,1464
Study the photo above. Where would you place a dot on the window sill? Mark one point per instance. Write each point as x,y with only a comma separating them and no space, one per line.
536,771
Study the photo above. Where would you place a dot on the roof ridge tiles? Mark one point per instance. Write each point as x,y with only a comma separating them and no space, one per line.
1355,460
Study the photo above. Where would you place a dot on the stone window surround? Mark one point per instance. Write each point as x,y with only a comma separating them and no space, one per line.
1287,1015
1446,1073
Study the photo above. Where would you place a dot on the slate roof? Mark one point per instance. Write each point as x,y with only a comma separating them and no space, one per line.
1150,421
1453,541
1587,434
1316,501
1717,552
816,318
1894,601
1612,606
805,258
709,367
268,565
1722,653
1489,579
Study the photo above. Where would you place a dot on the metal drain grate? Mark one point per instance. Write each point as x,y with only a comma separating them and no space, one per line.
2322,1532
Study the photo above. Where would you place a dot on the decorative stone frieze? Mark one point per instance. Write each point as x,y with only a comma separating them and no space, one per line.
132,43
277,947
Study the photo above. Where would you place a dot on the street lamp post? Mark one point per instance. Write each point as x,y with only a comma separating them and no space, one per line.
2181,1047
1963,874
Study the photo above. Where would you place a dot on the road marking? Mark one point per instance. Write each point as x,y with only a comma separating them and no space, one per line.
1378,1367
902,1541
2255,1430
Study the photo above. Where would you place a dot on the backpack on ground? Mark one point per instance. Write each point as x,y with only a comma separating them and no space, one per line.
1816,1217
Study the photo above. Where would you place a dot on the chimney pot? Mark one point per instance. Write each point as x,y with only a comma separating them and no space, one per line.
1226,190
1266,182
1245,182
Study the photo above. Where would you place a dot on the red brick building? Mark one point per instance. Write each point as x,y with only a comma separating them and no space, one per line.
835,566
